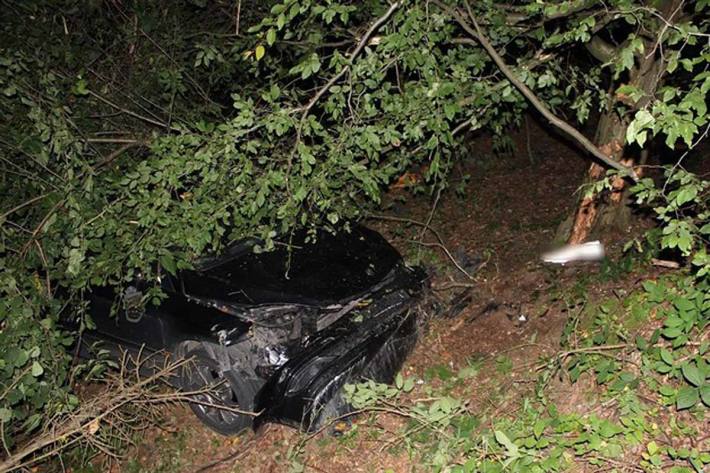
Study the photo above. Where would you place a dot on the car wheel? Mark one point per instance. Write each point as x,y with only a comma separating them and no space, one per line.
222,394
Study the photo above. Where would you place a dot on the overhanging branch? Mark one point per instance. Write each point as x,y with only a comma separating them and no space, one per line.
515,17
361,45
476,33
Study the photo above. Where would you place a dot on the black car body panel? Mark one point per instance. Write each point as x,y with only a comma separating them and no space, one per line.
335,268
305,392
293,328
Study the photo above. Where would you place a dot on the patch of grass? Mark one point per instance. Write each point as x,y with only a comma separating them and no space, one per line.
504,365
647,409
170,456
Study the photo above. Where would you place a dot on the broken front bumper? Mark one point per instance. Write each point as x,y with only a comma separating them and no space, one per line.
307,390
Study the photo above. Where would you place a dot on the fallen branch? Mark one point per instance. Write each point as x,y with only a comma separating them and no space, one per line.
453,285
663,263
101,421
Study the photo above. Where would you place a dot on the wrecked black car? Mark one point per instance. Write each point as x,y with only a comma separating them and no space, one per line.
277,333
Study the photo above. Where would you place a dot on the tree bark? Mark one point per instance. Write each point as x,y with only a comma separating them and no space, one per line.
611,210
609,137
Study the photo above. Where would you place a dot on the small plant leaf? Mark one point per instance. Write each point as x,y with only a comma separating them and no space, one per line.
692,374
687,397
259,52
503,439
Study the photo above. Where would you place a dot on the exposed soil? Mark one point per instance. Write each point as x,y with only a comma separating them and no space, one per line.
509,214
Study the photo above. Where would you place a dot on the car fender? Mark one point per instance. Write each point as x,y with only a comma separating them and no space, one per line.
305,392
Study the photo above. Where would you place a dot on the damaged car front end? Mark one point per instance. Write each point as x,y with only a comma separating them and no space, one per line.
279,333
371,342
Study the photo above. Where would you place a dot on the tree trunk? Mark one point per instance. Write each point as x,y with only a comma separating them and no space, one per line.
610,139
610,210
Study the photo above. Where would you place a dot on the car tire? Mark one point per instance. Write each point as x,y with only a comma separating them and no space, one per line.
228,389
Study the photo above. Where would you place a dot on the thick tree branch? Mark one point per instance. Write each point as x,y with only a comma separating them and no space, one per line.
515,17
476,33
600,49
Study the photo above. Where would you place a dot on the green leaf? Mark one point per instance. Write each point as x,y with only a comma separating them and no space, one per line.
635,131
271,36
168,263
626,56
399,381
672,332
693,374
666,356
705,394
687,397
503,439
37,369
539,428
608,429
259,52
16,357
80,88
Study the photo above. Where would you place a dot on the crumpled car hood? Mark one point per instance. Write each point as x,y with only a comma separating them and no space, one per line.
339,267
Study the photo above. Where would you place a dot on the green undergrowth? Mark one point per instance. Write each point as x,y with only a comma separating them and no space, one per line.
639,364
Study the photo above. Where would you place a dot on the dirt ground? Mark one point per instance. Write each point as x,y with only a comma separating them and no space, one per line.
508,215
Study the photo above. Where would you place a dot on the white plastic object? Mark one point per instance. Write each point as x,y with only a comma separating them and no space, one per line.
589,251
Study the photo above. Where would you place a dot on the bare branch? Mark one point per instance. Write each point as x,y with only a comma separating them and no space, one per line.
115,154
131,112
23,205
440,244
104,416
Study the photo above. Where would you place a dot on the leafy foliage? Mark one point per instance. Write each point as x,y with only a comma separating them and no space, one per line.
649,396
150,133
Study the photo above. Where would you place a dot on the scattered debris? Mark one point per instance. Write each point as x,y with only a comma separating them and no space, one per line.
664,263
459,303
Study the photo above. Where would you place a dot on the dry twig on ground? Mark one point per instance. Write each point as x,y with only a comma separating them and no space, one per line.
129,402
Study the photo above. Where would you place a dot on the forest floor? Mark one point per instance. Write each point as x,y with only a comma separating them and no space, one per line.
513,315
